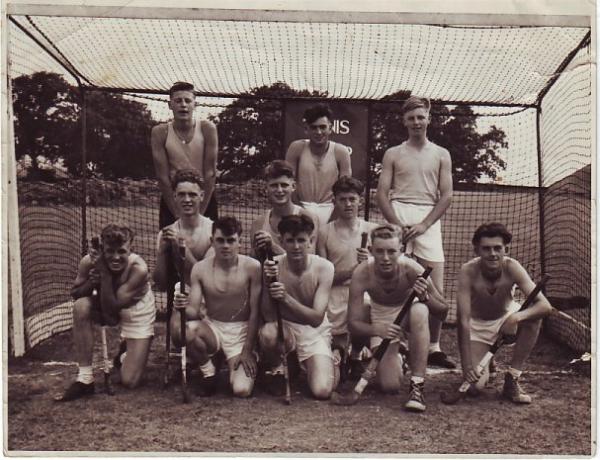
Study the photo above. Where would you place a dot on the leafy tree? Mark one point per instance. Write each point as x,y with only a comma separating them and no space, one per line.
47,113
251,131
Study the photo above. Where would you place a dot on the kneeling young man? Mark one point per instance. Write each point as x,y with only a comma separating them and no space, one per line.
486,308
388,278
123,296
301,292
230,284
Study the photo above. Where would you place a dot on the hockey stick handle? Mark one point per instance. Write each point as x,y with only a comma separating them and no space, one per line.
364,236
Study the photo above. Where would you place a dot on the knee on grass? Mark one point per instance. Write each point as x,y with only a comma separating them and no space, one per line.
242,388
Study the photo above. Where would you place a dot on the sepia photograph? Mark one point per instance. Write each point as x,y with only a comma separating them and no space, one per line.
299,228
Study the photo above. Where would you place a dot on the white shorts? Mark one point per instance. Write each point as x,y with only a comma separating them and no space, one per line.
322,211
310,341
337,308
427,246
383,314
487,331
231,337
137,321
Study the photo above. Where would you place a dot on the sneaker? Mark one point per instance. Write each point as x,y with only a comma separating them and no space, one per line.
513,391
416,400
275,385
117,359
77,390
207,386
440,359
355,369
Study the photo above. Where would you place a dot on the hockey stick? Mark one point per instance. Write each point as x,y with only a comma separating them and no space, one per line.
454,397
353,396
281,338
182,316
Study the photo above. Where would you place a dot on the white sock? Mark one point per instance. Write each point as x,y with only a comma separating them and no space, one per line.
85,374
514,372
208,369
434,346
417,379
122,357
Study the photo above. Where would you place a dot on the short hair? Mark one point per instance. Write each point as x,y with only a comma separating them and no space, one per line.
415,102
385,232
181,86
187,175
491,230
295,224
347,184
317,111
228,226
116,235
278,168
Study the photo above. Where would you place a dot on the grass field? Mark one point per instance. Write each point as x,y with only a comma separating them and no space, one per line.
152,419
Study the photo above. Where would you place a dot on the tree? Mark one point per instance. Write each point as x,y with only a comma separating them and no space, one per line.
251,131
474,154
47,113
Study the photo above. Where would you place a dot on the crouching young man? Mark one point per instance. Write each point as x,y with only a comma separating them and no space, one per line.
112,287
388,278
486,308
230,284
301,291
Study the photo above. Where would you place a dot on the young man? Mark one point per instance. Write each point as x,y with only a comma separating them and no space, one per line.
388,279
184,143
123,296
301,291
414,191
340,242
230,284
279,177
486,308
192,227
318,162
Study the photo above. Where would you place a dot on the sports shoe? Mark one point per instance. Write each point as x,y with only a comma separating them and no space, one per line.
416,400
275,385
207,386
440,359
117,359
513,391
76,390
355,369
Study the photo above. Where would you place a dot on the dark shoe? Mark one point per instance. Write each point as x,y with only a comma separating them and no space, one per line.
493,369
513,391
440,359
207,386
77,390
275,385
355,369
416,400
117,359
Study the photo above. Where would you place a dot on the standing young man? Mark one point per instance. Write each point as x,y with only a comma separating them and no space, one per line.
486,309
340,242
301,291
123,297
279,177
388,278
318,162
414,192
184,143
230,284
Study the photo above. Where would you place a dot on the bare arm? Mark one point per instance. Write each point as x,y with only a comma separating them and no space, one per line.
437,305
292,156
359,323
111,301
160,275
342,156
540,307
211,147
255,296
158,138
193,310
83,286
383,189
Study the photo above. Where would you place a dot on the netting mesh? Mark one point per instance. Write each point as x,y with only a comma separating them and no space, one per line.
483,65
447,63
